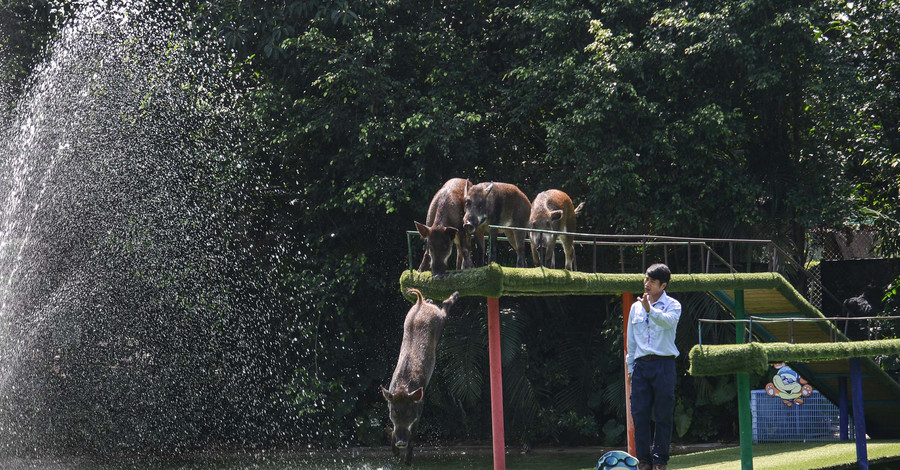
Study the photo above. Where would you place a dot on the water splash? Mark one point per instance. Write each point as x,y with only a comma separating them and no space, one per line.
131,306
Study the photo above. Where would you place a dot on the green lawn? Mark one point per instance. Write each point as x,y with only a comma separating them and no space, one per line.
786,456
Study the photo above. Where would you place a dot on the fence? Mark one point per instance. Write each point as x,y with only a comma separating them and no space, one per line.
816,420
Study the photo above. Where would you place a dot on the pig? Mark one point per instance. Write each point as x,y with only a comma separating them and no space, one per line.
498,204
444,227
422,330
553,210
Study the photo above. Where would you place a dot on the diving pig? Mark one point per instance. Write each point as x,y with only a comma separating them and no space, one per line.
498,204
444,227
421,332
553,210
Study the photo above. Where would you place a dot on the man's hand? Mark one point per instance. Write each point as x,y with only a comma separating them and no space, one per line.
645,301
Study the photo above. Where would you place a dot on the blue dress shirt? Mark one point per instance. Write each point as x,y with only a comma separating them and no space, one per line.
652,332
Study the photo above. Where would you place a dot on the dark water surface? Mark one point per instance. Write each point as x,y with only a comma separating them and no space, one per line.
344,460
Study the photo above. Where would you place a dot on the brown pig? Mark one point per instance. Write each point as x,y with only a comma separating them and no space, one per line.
553,210
444,227
498,204
421,332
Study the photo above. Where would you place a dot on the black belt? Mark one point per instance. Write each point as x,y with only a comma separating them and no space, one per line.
654,357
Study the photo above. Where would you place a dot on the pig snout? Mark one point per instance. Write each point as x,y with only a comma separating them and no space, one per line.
402,435
471,221
438,266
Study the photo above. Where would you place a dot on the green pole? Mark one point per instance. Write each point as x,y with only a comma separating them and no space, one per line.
743,388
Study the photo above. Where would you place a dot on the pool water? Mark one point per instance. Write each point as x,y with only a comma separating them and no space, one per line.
344,460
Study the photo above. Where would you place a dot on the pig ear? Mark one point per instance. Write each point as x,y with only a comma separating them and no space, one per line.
417,395
450,301
579,208
556,215
451,232
466,189
489,188
387,394
423,230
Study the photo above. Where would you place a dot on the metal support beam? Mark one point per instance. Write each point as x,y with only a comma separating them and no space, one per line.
627,300
842,404
496,383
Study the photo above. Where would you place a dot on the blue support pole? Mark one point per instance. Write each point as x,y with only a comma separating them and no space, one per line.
859,416
842,403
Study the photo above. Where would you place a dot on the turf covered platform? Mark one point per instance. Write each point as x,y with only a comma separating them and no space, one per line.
792,329
497,281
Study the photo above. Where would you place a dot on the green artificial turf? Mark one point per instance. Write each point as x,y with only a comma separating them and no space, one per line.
497,281
787,456
727,359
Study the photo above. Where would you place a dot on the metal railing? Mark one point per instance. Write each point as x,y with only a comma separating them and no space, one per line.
693,254
622,241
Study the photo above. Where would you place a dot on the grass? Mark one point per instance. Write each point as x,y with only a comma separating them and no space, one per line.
781,456
787,456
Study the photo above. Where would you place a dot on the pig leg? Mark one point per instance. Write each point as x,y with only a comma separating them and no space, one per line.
464,246
551,250
479,244
535,256
568,244
516,239
463,257
425,265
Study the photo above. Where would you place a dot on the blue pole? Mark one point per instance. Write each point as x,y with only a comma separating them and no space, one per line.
842,403
859,416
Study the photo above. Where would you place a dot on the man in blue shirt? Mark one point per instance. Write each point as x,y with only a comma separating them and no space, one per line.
651,367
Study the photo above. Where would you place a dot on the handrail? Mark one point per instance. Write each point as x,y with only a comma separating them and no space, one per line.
777,256
643,241
663,240
634,237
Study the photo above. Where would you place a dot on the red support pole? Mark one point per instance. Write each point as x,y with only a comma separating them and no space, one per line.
627,300
496,382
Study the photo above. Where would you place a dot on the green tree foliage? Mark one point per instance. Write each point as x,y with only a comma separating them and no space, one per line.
861,38
717,97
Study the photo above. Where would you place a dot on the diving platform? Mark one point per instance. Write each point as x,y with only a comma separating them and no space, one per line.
773,320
